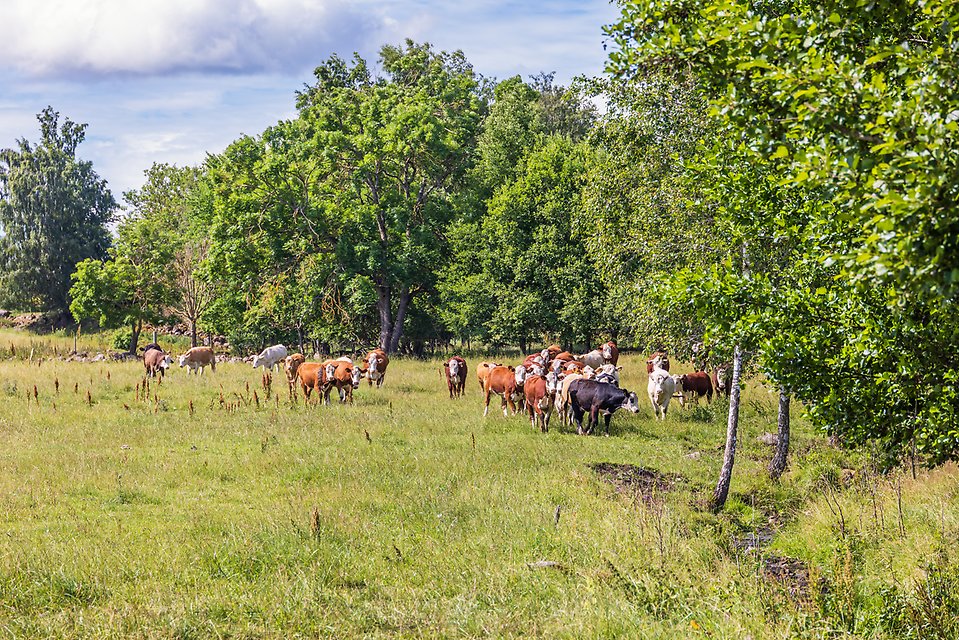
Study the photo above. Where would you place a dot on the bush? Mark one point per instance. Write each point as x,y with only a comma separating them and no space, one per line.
121,339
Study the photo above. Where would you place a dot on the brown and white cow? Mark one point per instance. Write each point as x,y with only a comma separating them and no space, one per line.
663,361
610,352
722,379
504,382
343,376
376,363
197,359
540,394
482,371
156,361
455,370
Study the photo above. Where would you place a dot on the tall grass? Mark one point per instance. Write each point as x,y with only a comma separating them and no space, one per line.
411,515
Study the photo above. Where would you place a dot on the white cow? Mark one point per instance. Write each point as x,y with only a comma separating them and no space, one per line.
592,359
660,388
608,373
271,357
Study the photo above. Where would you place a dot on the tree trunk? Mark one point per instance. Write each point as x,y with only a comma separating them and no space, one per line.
778,463
193,336
397,332
386,316
154,336
135,327
299,334
729,457
522,346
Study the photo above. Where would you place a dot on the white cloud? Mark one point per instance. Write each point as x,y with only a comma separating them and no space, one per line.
97,37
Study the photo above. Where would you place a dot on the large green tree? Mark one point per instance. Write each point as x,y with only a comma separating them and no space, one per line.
54,209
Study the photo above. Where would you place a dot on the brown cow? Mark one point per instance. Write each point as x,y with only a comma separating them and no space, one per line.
503,382
290,365
156,361
311,375
540,394
610,352
455,369
695,385
554,350
482,371
657,354
722,379
376,363
198,358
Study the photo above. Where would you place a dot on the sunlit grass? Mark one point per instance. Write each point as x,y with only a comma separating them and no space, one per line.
128,514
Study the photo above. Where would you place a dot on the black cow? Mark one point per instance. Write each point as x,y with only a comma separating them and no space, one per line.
152,345
598,397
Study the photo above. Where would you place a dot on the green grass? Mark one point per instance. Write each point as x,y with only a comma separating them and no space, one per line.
130,517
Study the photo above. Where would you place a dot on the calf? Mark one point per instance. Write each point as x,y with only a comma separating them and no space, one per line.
197,359
342,376
482,372
503,382
270,357
540,394
455,369
290,365
156,361
660,389
722,380
376,363
598,398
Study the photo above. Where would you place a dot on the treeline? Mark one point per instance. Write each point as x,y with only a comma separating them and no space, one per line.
774,181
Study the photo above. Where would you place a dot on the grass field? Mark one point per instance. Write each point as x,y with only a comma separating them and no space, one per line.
410,515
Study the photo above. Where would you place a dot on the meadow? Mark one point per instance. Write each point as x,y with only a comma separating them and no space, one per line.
212,506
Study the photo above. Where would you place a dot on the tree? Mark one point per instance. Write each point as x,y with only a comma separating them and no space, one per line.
857,108
394,149
54,209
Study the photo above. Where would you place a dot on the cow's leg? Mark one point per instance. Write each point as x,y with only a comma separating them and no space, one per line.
486,401
607,418
593,418
578,418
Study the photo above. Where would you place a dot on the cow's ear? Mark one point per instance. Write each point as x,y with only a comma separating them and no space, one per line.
619,368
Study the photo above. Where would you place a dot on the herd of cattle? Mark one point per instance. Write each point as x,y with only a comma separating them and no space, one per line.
550,381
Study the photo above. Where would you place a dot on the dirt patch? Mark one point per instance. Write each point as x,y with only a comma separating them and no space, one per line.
635,481
791,573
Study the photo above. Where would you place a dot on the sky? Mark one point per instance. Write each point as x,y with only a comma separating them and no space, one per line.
173,80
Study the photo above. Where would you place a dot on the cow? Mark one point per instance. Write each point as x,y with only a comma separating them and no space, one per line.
482,371
540,395
695,385
156,361
343,376
503,381
270,357
594,358
311,375
376,363
562,398
152,345
290,365
198,358
608,373
574,366
598,398
553,350
455,370
650,361
660,388
610,352
536,358
722,380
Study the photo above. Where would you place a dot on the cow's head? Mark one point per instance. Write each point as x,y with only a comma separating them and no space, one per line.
607,352
166,362
536,369
552,383
520,375
372,363
630,402
256,361
330,371
356,376
544,354
183,360
588,372
660,362
556,365
678,389
454,367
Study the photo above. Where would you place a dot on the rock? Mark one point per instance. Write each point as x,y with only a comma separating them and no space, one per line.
771,439
4,313
695,455
99,358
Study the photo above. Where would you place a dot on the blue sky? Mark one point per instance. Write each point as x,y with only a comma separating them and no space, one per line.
170,80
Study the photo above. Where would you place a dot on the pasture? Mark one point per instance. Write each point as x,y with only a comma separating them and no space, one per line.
124,513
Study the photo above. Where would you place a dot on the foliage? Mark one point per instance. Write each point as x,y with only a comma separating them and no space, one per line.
54,209
855,112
